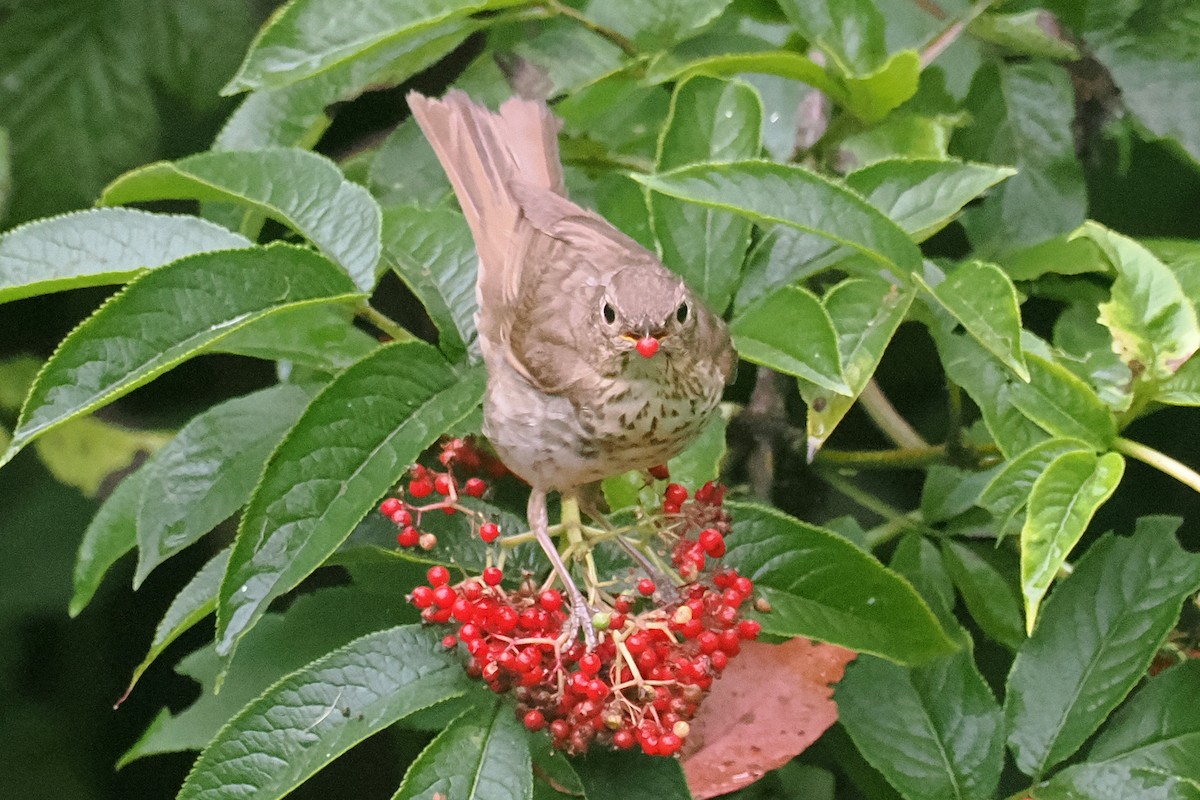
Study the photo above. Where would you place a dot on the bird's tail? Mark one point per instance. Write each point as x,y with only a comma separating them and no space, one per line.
484,154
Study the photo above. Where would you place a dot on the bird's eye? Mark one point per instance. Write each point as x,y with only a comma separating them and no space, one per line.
681,313
610,316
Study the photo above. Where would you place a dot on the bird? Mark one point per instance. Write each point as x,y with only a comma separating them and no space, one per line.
599,359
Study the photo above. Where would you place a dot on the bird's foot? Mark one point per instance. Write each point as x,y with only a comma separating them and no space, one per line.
580,617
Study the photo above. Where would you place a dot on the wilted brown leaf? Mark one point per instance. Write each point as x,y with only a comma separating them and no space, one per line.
773,701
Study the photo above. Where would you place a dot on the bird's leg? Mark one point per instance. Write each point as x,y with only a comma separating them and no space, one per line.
664,582
539,523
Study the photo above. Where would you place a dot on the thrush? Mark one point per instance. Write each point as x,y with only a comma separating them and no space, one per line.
599,359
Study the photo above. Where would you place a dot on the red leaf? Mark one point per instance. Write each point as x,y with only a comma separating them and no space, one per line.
773,701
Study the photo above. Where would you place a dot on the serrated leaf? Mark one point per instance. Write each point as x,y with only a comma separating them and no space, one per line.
865,315
900,135
298,724
989,598
850,34
655,24
922,196
1101,628
1183,388
87,452
1027,33
1022,115
642,777
208,471
1151,746
793,196
165,317
352,442
482,755
431,249
933,730
110,535
709,120
303,39
917,560
701,461
984,301
303,190
296,115
98,247
1087,348
194,602
1063,405
406,172
1061,504
319,337
1153,324
949,491
1008,491
821,586
791,332
311,627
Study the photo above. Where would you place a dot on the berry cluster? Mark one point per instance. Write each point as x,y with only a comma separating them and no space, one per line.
658,650
445,490
639,687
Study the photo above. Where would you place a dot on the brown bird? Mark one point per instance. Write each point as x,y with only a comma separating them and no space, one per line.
599,359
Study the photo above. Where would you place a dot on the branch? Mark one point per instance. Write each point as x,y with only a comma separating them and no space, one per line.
1160,461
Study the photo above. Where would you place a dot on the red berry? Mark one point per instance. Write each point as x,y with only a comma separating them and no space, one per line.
443,483
675,494
670,508
748,629
660,472
560,729
590,664
408,537
647,346
421,597
438,575
390,506
449,641
713,542
492,576
719,660
709,642
623,739
402,517
427,541
669,744
489,532
646,587
534,720
551,600
420,487
475,487
444,597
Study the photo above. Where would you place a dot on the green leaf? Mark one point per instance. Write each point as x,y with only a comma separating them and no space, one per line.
431,249
933,730
922,196
1022,115
701,461
821,586
984,301
850,34
92,89
483,754
194,602
304,39
296,115
110,535
917,560
710,120
1062,404
1151,746
208,471
1005,496
98,247
1026,33
642,777
989,598
1151,56
1101,629
303,190
1060,255
406,172
791,332
87,452
356,438
655,24
793,196
165,317
312,626
949,491
1183,389
5,172
1153,324
1087,348
865,315
1061,505
319,337
298,725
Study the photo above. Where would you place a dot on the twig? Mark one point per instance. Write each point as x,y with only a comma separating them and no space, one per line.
887,419
600,30
384,323
1160,461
